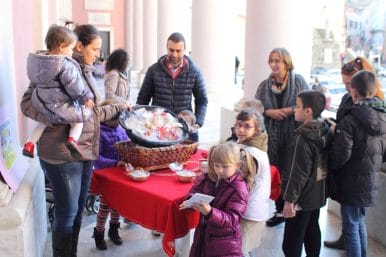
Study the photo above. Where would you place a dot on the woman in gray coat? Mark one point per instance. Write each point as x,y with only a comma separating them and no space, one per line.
116,81
69,176
278,95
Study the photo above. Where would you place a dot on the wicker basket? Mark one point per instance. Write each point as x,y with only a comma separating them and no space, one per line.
155,158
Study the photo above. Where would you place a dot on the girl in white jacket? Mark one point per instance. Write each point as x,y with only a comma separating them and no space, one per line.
249,126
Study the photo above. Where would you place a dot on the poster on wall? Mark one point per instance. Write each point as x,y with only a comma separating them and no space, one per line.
12,163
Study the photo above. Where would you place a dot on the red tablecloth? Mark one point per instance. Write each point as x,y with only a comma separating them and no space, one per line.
152,203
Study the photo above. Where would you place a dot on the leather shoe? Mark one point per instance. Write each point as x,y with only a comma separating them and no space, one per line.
337,244
275,220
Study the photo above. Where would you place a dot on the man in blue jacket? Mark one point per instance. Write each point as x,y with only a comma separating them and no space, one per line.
173,80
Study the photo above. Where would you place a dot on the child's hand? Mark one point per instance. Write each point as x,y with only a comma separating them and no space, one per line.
182,206
89,103
121,164
289,210
332,125
203,208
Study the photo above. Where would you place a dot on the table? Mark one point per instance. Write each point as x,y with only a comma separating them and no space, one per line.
152,203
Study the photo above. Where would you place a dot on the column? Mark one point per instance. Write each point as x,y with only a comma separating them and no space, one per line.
150,33
137,35
271,24
213,42
173,16
137,42
129,30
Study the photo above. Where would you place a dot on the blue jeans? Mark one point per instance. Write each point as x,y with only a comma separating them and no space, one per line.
70,182
354,230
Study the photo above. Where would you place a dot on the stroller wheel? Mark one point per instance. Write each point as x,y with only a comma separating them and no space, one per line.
95,204
89,201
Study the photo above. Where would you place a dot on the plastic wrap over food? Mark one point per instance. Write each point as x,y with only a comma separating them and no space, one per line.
155,125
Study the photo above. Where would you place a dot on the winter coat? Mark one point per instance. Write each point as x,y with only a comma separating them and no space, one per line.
344,107
304,179
280,132
108,154
59,89
218,233
117,86
175,95
258,198
51,145
357,153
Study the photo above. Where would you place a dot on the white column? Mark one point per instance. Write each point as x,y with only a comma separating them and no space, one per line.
173,16
271,24
137,35
129,30
213,42
149,33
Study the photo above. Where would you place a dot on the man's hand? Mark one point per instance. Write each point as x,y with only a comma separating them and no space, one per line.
289,210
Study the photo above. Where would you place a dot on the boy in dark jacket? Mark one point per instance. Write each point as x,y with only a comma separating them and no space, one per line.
304,187
355,157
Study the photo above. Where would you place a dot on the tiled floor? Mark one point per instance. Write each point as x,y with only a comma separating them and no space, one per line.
140,242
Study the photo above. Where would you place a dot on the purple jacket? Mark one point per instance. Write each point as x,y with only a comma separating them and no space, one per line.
218,234
108,155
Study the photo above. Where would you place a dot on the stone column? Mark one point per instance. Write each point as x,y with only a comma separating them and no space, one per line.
213,42
149,33
173,16
129,30
271,24
137,35
137,42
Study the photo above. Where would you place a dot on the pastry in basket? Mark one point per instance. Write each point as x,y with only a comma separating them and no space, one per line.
153,126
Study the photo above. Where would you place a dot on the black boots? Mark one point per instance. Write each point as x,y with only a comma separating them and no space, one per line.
100,242
338,244
61,244
74,240
113,234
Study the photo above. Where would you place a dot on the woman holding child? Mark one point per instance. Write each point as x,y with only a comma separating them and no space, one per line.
278,95
70,176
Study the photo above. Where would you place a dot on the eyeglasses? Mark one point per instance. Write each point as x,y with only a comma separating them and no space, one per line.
353,66
244,126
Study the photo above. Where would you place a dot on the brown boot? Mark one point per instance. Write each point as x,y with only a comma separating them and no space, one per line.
338,244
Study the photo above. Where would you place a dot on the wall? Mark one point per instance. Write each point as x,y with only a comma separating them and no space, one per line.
80,15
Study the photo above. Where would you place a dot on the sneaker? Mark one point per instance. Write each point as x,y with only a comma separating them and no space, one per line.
28,149
72,145
275,220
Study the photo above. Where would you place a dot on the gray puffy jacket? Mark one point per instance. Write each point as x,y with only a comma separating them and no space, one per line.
59,89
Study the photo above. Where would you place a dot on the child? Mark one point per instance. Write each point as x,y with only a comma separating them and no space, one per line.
59,88
111,132
304,187
248,129
218,233
257,106
190,119
116,81
355,157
